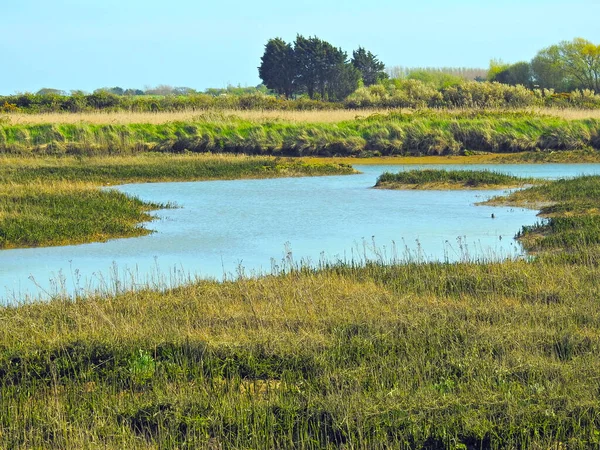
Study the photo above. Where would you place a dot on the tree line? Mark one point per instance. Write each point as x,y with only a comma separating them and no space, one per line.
316,68
563,67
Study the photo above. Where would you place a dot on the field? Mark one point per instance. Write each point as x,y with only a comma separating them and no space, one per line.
316,116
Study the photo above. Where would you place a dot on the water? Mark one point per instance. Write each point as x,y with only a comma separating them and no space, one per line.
258,226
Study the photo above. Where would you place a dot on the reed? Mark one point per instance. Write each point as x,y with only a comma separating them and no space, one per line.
434,355
421,133
449,179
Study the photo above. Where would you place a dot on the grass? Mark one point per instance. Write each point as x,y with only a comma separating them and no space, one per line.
498,355
396,133
449,179
571,211
56,201
313,116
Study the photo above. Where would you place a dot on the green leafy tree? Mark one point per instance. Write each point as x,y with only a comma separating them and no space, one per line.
439,79
278,69
370,68
569,65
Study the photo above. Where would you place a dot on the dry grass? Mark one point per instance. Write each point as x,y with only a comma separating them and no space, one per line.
124,118
326,116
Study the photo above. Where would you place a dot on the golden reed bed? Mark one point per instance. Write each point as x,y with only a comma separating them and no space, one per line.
327,116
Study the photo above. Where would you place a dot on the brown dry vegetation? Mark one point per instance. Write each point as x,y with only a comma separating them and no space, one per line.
323,116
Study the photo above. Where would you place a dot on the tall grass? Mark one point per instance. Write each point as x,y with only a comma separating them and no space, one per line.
499,355
449,179
571,207
314,116
424,133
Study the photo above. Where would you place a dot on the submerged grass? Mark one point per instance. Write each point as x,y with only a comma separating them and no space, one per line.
56,201
449,179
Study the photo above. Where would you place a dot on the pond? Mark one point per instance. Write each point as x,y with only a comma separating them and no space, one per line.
222,229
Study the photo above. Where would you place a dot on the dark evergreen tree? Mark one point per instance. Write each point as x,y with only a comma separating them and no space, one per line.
518,73
312,66
278,67
370,68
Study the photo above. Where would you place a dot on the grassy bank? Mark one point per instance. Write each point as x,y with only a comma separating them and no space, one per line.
449,179
570,208
56,201
414,356
411,355
425,133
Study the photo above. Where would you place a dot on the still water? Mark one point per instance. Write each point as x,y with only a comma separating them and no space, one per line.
224,228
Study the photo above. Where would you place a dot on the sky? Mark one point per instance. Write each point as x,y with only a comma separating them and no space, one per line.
89,44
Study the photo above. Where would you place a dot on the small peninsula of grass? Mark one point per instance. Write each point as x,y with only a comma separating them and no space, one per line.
570,209
449,179
56,201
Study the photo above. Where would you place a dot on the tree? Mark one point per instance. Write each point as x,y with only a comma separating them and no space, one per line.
569,65
343,82
50,91
278,67
513,74
370,68
323,69
311,65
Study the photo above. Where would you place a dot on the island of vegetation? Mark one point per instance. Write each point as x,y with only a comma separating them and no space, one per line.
449,179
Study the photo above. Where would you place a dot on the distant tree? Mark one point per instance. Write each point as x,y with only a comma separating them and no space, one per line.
465,73
182,90
441,80
513,74
133,92
370,68
102,99
568,65
496,66
322,69
310,66
278,69
344,81
548,73
50,91
161,89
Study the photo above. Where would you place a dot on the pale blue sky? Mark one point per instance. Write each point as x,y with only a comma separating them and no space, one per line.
79,44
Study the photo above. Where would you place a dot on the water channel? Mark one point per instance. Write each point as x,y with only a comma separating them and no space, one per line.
224,228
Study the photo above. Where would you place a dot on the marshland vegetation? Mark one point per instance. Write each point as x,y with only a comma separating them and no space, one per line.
395,133
449,179
410,355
